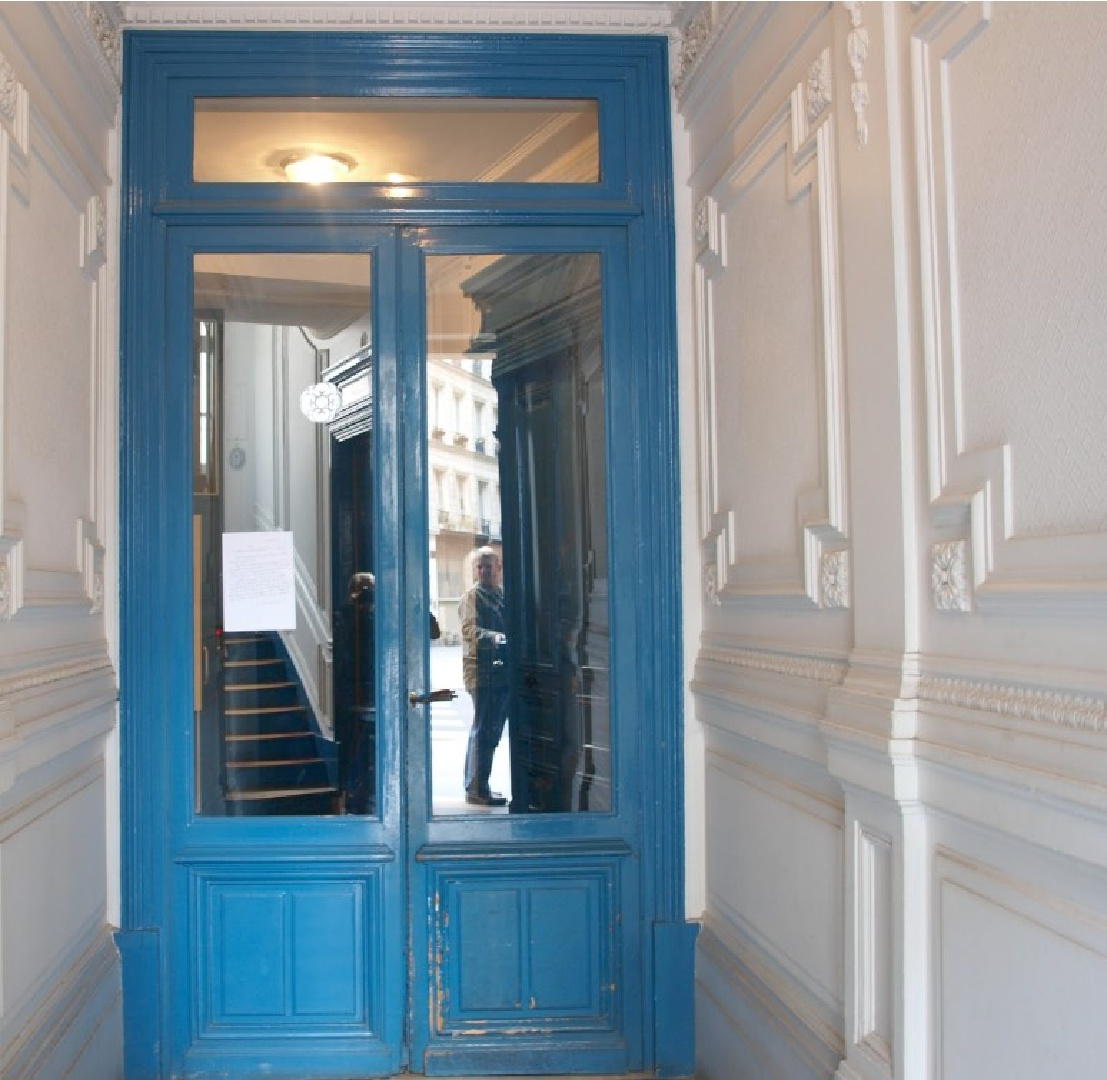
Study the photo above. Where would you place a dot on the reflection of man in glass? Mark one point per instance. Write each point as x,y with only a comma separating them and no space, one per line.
483,649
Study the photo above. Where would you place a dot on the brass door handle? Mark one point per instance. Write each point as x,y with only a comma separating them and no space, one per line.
431,696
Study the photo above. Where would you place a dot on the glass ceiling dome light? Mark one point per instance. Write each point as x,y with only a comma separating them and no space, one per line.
318,168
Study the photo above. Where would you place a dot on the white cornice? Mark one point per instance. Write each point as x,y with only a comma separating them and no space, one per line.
642,16
1059,707
793,665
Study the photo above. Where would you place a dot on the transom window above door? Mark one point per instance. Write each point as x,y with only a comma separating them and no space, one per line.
395,141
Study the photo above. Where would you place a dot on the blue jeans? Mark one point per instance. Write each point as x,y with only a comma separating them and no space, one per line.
489,714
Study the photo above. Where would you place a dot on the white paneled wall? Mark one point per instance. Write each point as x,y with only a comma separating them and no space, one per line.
901,683
59,974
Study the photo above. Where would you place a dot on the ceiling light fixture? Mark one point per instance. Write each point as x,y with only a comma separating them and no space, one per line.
318,168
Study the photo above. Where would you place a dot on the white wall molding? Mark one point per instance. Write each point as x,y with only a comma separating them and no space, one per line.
819,88
949,580
857,52
103,23
1054,706
531,18
874,987
1007,568
79,664
14,106
52,712
12,571
756,717
793,665
800,135
48,1036
834,578
789,781
27,133
987,920
90,558
774,1018
94,234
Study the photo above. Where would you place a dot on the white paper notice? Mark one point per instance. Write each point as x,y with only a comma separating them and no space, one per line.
259,581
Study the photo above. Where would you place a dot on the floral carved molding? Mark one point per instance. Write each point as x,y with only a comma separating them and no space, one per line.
834,579
857,51
694,42
818,87
799,139
1045,706
103,20
813,669
949,583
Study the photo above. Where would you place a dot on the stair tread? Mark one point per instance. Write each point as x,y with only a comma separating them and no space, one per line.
262,736
247,794
266,709
265,763
232,688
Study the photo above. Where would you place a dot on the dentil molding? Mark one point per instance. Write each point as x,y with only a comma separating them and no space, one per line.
633,17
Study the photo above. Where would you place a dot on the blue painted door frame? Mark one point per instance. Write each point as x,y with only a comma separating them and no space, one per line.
195,889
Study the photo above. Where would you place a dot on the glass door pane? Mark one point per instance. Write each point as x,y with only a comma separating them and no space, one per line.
283,535
518,534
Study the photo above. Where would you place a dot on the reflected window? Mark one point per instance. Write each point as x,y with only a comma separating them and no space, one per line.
519,579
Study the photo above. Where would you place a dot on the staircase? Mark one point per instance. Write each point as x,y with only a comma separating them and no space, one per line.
271,760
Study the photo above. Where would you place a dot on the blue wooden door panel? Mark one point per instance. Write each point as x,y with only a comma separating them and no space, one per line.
532,928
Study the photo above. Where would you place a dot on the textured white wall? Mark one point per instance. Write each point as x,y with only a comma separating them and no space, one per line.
899,308
59,976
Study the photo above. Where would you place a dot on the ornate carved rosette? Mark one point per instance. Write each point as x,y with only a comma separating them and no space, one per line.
948,580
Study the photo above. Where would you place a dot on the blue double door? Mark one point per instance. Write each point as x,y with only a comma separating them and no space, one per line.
405,811
400,663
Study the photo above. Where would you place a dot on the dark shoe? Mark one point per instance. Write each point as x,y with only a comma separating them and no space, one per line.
491,798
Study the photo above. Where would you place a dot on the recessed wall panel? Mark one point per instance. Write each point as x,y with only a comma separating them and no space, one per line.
774,849
50,328
767,360
1018,987
1032,300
